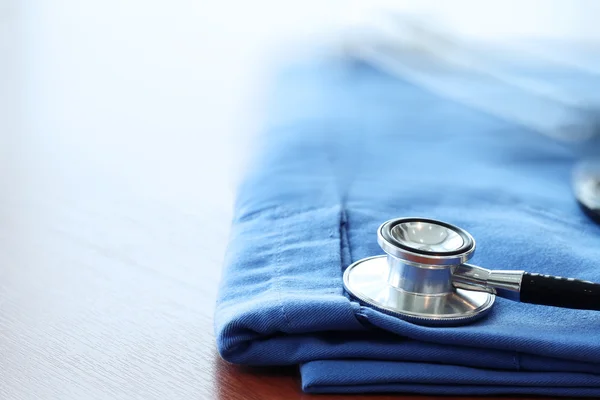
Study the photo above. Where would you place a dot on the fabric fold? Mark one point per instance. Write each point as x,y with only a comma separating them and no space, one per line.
360,376
349,147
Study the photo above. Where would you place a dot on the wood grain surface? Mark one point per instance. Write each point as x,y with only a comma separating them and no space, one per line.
118,148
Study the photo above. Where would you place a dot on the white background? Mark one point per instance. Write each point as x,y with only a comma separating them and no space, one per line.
164,96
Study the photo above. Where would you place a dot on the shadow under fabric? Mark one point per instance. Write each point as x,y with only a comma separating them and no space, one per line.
346,148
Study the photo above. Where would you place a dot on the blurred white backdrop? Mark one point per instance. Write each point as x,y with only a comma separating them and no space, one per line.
164,97
559,19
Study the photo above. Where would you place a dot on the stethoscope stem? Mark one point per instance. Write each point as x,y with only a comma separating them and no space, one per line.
503,283
529,287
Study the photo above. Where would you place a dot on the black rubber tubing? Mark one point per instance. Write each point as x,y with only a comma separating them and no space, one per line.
560,292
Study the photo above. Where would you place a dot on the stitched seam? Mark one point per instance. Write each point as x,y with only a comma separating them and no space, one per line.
348,246
345,251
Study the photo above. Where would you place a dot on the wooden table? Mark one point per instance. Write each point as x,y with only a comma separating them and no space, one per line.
119,148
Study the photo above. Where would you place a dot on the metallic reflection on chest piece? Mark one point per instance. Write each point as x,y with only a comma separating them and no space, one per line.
424,278
586,185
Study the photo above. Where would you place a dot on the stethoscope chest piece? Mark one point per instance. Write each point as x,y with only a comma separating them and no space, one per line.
414,281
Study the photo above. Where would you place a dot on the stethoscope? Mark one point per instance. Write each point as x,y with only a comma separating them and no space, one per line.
424,277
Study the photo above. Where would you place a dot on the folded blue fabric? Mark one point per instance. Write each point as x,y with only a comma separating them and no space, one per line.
348,147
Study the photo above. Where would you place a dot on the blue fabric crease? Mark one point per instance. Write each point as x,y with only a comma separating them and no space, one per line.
347,147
